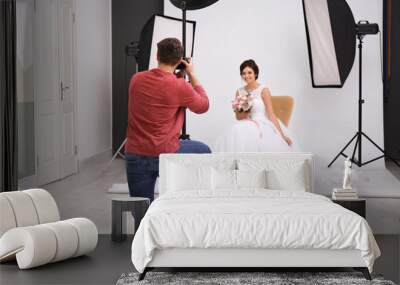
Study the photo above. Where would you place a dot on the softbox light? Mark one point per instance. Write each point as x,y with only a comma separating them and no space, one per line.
331,37
157,28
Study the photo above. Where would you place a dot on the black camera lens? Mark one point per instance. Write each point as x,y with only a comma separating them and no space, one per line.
181,66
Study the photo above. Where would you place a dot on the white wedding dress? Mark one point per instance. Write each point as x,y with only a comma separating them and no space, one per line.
257,134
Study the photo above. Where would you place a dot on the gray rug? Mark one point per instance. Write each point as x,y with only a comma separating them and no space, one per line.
243,278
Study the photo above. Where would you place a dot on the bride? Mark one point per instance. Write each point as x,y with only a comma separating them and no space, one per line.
257,129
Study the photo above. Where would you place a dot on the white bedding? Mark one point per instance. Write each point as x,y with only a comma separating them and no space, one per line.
251,218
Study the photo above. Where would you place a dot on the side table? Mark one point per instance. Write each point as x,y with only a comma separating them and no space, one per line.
137,205
358,206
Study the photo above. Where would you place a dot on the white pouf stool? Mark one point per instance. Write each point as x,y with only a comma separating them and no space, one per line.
31,231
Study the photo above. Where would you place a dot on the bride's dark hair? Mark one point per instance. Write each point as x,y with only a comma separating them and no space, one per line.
249,63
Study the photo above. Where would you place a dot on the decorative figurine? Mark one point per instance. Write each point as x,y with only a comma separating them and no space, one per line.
347,175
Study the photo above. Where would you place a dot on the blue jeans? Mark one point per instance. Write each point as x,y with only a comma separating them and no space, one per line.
142,171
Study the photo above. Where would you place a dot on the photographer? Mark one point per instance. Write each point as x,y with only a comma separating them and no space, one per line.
157,102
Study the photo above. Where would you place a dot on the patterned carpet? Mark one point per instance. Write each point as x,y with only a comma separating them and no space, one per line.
243,278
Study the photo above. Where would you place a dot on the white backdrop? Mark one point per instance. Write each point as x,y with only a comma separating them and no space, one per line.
273,34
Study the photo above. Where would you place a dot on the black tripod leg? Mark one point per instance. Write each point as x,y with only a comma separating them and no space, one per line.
354,151
341,152
377,146
364,271
372,160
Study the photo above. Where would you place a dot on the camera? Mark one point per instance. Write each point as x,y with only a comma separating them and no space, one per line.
181,66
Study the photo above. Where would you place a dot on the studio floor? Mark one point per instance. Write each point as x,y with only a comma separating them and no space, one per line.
103,266
85,195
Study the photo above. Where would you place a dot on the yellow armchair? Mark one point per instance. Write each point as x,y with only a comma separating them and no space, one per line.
283,108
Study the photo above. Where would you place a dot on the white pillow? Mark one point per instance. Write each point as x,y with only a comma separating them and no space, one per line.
282,174
251,178
223,179
188,177
291,179
236,179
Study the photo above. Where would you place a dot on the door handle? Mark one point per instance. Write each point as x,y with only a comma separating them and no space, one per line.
63,88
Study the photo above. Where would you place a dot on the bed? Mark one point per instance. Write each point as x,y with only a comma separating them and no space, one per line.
248,210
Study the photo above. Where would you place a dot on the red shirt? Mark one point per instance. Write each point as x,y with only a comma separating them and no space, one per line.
157,100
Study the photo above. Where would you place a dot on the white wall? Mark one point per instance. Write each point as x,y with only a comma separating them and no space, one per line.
273,34
93,28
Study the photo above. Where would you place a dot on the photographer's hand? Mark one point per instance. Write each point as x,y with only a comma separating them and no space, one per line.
189,69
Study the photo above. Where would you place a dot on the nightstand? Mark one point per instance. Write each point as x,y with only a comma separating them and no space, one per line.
137,205
358,206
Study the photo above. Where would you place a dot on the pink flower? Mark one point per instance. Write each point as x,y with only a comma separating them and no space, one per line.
242,103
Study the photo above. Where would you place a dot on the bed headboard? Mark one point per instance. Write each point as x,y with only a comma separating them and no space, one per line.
231,160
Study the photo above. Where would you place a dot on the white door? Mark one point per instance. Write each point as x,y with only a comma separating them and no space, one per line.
54,90
69,161
46,85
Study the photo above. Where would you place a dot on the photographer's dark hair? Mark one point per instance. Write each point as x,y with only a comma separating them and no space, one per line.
252,64
170,51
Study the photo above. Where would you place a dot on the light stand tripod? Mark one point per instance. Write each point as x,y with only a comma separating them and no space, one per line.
184,135
360,134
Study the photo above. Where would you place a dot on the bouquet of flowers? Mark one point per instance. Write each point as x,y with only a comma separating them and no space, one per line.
242,103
